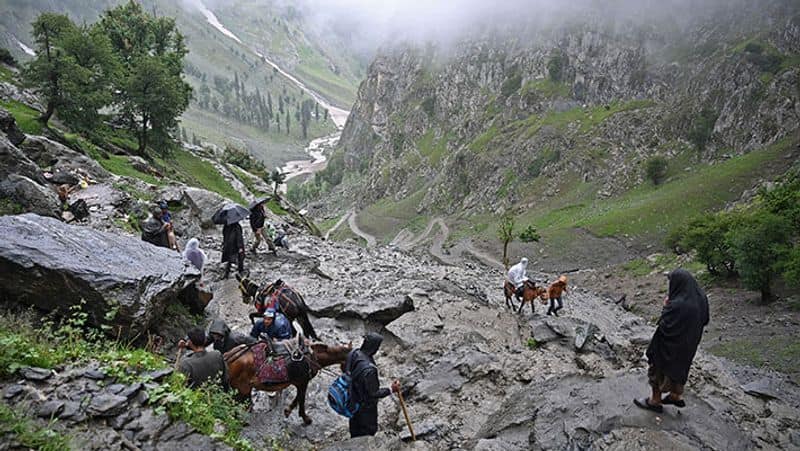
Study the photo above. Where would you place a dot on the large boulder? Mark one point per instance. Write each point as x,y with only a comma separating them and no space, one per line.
13,161
59,158
203,204
32,196
8,125
52,266
381,309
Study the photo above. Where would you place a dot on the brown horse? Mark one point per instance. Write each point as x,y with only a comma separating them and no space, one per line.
290,302
242,372
529,292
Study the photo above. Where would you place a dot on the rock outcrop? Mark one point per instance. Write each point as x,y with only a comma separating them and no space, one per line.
125,282
32,196
100,413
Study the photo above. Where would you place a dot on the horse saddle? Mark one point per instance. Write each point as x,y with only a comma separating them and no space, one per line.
271,368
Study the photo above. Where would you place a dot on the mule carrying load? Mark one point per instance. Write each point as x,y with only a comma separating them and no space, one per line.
251,367
279,297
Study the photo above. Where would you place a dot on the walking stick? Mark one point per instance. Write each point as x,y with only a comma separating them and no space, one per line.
405,413
178,358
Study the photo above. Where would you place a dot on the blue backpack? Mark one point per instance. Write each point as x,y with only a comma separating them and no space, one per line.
340,396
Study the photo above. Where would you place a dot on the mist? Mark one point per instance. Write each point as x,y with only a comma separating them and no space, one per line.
370,24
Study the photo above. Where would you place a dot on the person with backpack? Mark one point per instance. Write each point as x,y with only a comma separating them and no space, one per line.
364,386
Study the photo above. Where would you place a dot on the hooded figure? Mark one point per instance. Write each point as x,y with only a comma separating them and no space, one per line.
223,339
366,388
154,230
232,247
675,341
517,274
194,254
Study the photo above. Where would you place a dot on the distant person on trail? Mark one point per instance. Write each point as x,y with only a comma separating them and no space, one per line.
166,217
675,341
201,365
365,386
554,293
517,276
194,255
155,231
232,248
275,325
224,339
257,218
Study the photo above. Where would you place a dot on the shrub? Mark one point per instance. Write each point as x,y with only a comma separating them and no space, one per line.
529,235
656,169
702,128
756,244
556,66
511,85
784,199
428,105
706,236
6,57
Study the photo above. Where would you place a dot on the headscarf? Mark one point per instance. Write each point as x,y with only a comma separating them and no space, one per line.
372,342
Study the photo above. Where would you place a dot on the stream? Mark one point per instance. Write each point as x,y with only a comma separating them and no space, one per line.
317,147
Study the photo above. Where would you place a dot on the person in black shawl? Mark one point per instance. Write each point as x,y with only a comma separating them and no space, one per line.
675,341
232,248
366,389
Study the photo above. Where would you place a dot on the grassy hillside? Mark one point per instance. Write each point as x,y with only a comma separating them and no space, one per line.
212,56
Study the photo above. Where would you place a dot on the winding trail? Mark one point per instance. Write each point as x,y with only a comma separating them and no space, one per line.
351,221
406,240
336,226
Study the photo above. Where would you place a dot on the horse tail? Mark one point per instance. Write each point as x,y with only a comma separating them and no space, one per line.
302,317
305,323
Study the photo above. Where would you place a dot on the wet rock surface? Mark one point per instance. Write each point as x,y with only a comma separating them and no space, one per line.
100,418
472,377
44,259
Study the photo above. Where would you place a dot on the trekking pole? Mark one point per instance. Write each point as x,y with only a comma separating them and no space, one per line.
405,413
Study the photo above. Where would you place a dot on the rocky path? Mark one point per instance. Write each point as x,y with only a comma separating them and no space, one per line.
406,240
353,224
478,376
337,225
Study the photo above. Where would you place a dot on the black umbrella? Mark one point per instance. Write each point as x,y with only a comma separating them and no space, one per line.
230,214
257,202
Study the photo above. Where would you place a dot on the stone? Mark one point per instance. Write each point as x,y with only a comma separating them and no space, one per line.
541,332
8,125
761,388
35,374
52,155
32,196
158,375
71,411
42,259
119,421
50,409
203,204
421,430
582,334
115,388
13,161
382,309
94,374
131,390
107,405
63,178
13,390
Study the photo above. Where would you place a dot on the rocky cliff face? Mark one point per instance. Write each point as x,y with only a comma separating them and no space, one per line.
472,125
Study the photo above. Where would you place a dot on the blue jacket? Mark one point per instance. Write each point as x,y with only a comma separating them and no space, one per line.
280,329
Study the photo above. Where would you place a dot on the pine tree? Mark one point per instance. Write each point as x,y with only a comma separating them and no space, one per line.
287,122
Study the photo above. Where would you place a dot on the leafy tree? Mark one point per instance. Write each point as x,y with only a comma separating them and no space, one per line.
505,232
703,128
756,244
6,57
707,237
278,178
556,66
784,199
152,92
656,169
46,71
789,265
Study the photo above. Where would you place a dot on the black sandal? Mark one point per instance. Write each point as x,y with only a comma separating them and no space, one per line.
670,401
645,404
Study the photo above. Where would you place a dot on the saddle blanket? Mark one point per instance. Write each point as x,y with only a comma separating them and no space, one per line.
272,369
